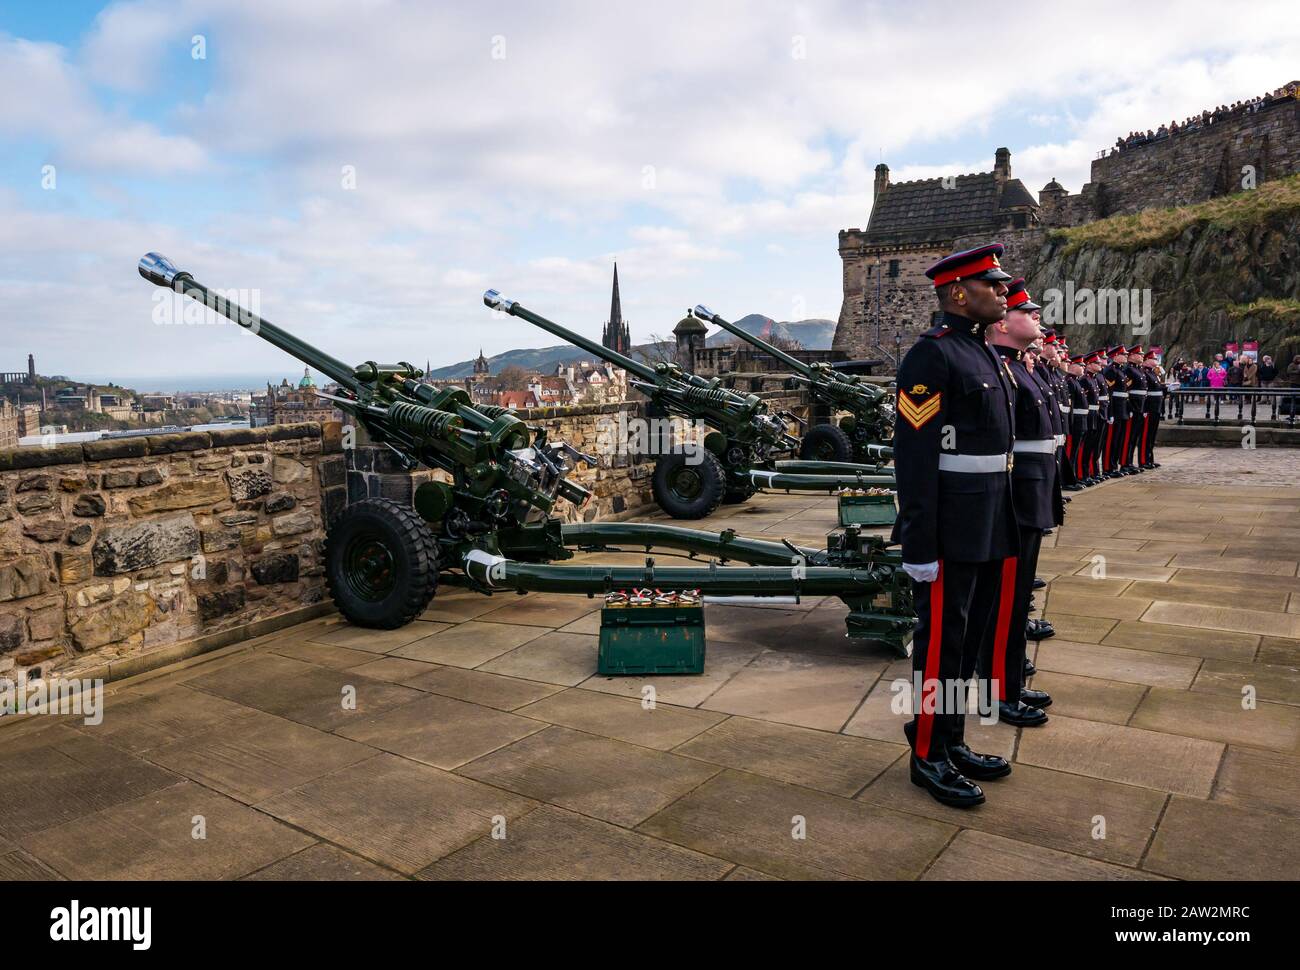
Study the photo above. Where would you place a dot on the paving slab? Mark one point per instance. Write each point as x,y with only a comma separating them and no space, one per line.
137,723
478,687
796,833
323,863
457,606
255,757
1125,754
469,644
975,855
394,670
317,696
1278,683
1266,600
1043,807
1278,650
551,844
1220,718
722,660
1185,640
1226,618
550,610
808,690
1117,663
153,837
439,731
324,654
395,812
1212,840
1234,564
19,866
612,780
1080,629
659,726
52,778
378,641
563,659
1088,697
1265,780
1081,604
814,759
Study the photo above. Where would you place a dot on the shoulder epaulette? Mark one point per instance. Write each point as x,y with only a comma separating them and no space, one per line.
937,332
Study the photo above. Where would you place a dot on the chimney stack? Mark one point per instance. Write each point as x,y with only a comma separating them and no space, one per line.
882,180
1002,164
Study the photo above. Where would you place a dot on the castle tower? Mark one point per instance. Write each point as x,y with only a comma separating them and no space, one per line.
31,369
690,333
481,366
616,335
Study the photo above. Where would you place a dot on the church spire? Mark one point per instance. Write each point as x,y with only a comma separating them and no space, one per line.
617,336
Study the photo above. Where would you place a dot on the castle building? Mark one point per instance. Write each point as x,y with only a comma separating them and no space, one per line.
913,225
616,335
689,335
8,424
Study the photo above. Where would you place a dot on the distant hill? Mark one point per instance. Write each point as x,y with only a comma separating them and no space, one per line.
811,335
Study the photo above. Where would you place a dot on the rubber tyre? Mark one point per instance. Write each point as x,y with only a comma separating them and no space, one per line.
825,442
381,564
734,496
672,472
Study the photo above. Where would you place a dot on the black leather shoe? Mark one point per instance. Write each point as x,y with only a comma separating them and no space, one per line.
945,783
1035,698
1076,487
1155,464
1039,630
1039,583
1131,470
1019,714
1030,669
981,767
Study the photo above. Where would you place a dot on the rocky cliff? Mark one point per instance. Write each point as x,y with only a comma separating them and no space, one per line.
1221,270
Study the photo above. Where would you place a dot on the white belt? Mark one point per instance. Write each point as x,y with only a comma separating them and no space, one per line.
1139,393
1039,446
1065,410
1094,407
974,464
1155,393
1119,393
1059,441
1104,397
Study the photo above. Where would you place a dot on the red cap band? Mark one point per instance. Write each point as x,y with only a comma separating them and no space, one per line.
966,269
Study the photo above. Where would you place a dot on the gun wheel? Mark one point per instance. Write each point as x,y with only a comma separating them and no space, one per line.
825,442
381,564
688,489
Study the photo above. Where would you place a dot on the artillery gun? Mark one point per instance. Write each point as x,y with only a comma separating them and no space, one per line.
861,436
492,525
738,457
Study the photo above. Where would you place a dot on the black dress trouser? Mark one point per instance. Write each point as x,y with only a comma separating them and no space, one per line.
952,614
1002,654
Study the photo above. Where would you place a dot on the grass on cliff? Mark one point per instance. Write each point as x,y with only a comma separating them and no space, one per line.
1154,227
1267,308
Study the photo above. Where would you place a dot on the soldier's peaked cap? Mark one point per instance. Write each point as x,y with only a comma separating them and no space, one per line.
1117,349
980,263
1018,296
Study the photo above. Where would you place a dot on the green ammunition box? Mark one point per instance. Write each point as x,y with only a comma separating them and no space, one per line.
867,509
651,640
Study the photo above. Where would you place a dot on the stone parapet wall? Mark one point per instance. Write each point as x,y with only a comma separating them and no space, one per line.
120,547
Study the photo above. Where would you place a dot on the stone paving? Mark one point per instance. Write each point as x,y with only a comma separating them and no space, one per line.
784,760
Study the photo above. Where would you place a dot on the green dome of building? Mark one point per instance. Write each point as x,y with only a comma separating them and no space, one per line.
306,379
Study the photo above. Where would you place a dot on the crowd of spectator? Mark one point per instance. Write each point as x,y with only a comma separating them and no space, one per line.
1230,371
1209,117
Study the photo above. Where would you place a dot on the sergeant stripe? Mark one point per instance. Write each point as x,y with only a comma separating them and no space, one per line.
918,414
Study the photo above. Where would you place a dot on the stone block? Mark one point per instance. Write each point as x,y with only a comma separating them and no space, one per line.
287,525
214,605
36,502
286,470
248,483
45,624
73,567
46,530
151,476
132,547
122,478
186,494
11,632
169,444
26,576
279,502
89,506
80,534
116,622
333,471
279,567
34,483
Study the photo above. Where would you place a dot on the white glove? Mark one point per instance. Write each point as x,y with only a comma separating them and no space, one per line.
1110,420
922,572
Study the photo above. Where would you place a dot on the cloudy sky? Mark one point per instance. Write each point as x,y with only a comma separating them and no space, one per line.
369,167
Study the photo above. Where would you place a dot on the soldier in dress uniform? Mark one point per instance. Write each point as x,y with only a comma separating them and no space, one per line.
1078,422
1065,401
1117,384
956,522
1099,413
1137,400
1155,401
1036,491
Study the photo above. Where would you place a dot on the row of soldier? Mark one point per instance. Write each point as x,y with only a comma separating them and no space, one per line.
995,419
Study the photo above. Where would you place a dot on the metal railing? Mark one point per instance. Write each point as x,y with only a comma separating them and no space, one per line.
1232,405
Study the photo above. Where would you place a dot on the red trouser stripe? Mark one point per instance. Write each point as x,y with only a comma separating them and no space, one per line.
1146,422
1079,474
1005,599
924,717
1128,427
1110,433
